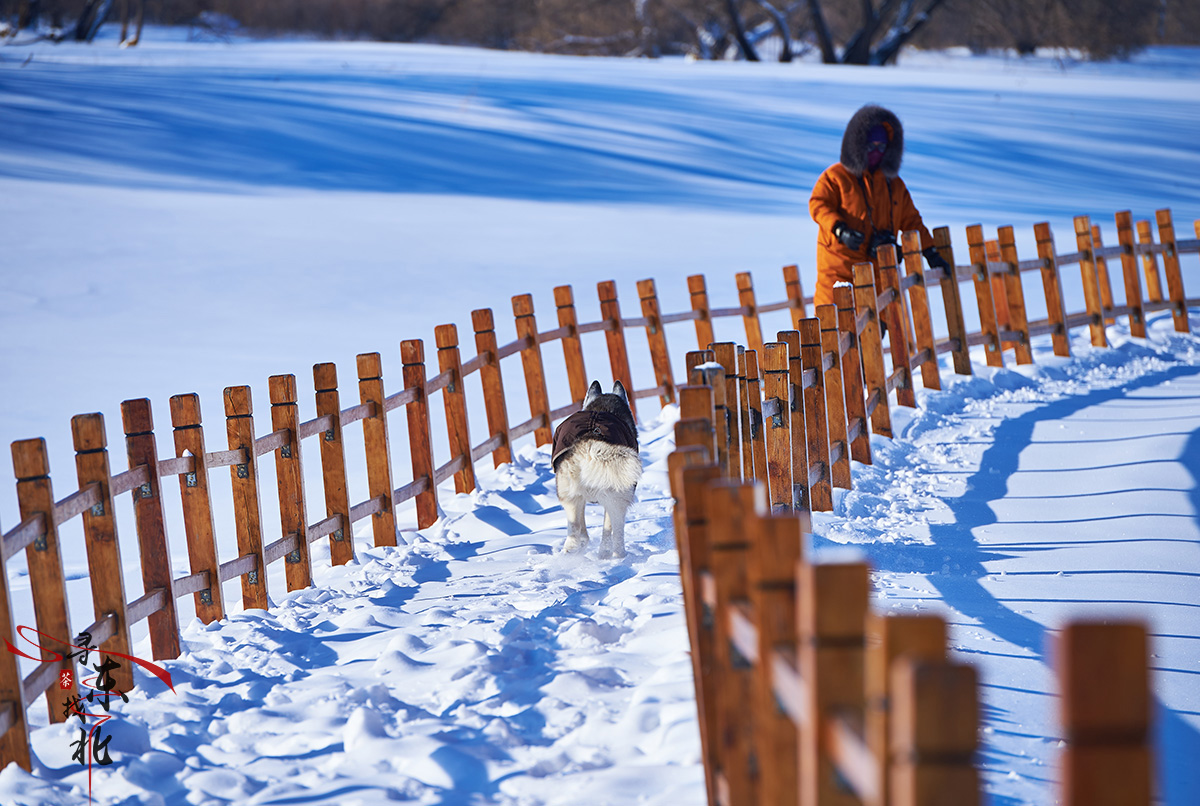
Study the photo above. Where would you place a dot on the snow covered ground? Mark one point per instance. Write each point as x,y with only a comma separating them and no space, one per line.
185,216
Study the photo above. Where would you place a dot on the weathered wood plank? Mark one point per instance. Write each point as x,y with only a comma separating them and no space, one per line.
289,476
333,462
43,556
420,441
105,569
377,447
660,359
141,449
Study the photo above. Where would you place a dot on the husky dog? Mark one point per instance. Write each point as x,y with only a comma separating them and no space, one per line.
596,461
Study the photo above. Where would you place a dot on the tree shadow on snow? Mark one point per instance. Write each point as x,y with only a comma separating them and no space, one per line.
493,136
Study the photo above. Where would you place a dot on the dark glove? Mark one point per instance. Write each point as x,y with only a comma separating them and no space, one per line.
852,238
935,260
882,237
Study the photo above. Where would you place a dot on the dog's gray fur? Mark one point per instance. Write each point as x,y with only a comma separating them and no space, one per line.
598,470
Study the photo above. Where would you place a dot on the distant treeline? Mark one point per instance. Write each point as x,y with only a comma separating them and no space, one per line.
704,28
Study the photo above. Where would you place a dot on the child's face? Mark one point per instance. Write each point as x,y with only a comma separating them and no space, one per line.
875,150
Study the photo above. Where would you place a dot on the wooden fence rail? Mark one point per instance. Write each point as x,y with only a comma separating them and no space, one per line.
788,414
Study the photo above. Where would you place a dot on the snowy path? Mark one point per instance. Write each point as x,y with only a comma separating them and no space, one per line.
473,665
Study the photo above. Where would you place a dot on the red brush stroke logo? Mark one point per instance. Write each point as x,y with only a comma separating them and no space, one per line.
91,745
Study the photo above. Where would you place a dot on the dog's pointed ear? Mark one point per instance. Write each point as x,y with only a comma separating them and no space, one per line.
594,391
619,391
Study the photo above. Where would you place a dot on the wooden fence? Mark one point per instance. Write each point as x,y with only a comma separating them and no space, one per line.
804,694
823,387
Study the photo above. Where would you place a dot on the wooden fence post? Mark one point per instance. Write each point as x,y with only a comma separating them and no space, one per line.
744,411
815,418
725,354
713,376
1014,292
795,295
247,506
197,507
870,348
952,302
35,496
1154,290
777,422
378,448
934,733
699,294
852,377
493,383
564,300
754,393
154,551
835,397
694,359
1052,284
745,284
289,473
454,396
890,637
919,305
100,534
14,741
774,556
690,489
1105,695
894,315
420,443
733,509
1166,236
618,355
696,402
832,609
983,296
1091,285
1133,283
657,339
999,294
694,432
901,365
799,423
531,362
333,463
1106,293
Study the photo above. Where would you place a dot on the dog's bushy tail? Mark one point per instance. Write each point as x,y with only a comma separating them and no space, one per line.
603,466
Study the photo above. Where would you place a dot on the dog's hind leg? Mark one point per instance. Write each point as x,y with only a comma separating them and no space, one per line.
612,545
577,536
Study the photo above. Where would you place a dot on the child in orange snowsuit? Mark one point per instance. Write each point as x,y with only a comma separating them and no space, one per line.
861,202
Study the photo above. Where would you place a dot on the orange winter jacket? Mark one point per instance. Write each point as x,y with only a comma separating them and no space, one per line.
865,203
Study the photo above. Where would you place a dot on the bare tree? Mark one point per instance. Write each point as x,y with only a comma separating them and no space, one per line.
772,22
95,13
140,5
748,23
30,12
881,33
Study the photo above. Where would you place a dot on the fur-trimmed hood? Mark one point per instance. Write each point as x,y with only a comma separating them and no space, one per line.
854,141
